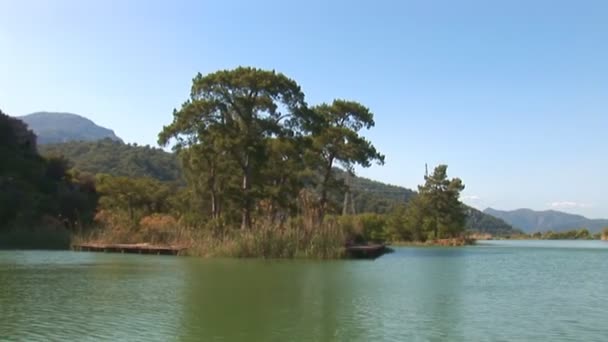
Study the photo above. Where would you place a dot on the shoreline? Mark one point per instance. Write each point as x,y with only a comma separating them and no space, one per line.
455,242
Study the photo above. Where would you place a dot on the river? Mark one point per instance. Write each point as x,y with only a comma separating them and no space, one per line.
495,291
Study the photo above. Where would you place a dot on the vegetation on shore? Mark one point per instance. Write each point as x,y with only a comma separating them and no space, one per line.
260,180
573,234
41,202
364,196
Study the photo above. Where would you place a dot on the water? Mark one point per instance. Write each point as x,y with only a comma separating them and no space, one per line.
497,291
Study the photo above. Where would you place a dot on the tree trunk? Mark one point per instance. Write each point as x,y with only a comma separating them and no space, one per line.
323,201
212,189
214,205
246,207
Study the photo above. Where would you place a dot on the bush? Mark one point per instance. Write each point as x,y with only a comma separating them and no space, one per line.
49,233
158,228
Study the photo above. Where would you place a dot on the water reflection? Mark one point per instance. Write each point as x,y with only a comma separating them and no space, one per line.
464,294
68,296
269,301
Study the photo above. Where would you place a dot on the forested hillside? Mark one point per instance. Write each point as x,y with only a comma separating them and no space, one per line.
369,196
33,189
366,195
116,158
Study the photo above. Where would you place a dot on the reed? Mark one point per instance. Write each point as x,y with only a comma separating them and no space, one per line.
299,237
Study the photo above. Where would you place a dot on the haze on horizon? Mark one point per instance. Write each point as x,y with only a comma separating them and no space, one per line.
511,95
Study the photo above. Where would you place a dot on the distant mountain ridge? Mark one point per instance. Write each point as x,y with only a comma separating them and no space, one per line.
531,221
52,127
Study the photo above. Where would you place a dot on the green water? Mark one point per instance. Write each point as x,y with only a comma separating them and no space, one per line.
500,291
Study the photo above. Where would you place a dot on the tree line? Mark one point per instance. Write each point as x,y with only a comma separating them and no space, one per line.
252,153
36,190
247,139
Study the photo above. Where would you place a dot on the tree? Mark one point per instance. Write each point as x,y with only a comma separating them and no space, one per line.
336,141
582,233
448,215
34,189
208,172
408,222
437,210
238,110
285,174
138,196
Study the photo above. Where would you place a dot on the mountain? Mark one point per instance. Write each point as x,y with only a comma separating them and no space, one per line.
481,222
531,221
63,127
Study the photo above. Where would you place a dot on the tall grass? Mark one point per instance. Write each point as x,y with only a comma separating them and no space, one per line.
303,236
296,238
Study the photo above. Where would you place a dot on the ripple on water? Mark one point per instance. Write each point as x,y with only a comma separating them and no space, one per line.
483,293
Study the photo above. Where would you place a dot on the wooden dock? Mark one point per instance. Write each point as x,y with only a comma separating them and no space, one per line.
366,251
137,248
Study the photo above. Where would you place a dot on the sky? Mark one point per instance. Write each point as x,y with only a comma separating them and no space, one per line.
511,95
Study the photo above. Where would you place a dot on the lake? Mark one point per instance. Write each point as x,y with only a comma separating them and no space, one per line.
495,291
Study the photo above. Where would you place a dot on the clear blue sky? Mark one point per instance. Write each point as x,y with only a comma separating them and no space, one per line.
512,95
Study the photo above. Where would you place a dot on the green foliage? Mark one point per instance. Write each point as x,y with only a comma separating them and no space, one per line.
336,141
139,197
444,216
435,213
363,228
231,115
280,181
255,124
574,234
35,191
118,159
407,221
295,239
54,237
373,227
253,155
375,197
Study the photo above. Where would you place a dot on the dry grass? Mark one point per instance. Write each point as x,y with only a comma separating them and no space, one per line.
298,238
294,240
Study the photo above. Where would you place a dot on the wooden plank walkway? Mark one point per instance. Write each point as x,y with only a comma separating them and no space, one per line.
366,251
137,248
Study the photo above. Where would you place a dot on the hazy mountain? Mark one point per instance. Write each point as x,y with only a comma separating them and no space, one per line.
63,127
484,223
535,221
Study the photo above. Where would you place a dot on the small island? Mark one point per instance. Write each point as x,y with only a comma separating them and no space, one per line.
255,172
